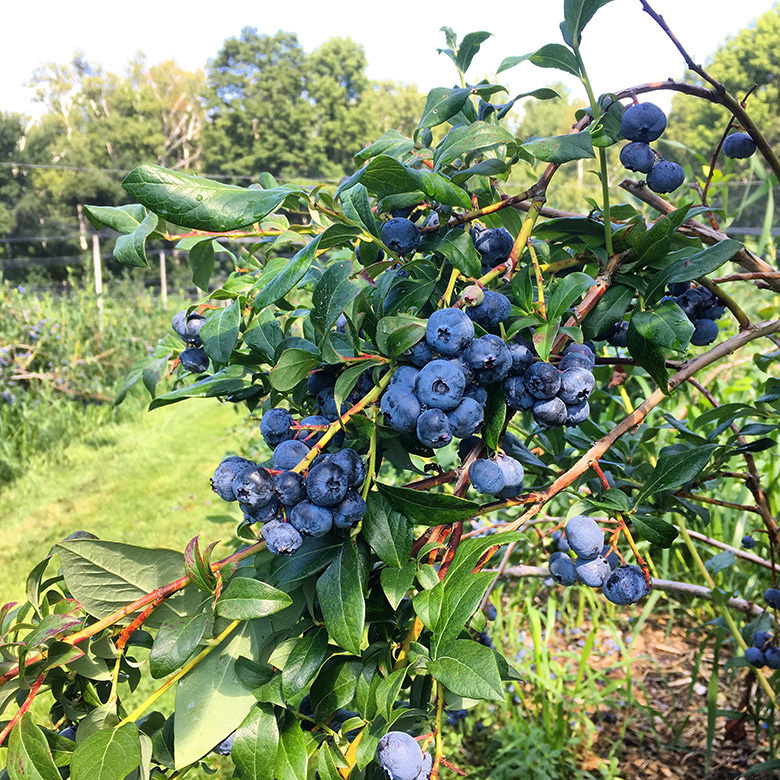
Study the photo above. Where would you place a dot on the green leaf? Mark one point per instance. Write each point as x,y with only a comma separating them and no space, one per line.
304,661
495,416
50,627
246,598
327,766
471,550
200,204
228,380
291,758
551,55
388,692
427,605
392,144
175,642
560,149
106,576
334,688
197,566
202,263
123,219
460,601
357,207
275,287
349,378
293,367
314,555
469,139
220,332
576,14
609,310
655,530
489,167
544,338
674,470
650,356
130,249
458,247
333,293
657,241
396,582
255,744
568,290
340,591
396,334
468,669
442,104
387,531
720,562
666,326
424,508
29,755
264,335
468,48
108,754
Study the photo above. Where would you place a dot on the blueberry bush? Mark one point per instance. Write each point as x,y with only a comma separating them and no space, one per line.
429,365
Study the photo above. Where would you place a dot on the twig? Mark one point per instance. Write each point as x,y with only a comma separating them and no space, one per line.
25,706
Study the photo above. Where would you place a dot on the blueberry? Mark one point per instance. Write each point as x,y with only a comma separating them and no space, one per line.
577,384
350,511
466,417
584,350
666,176
748,542
585,536
704,332
427,764
692,301
755,657
494,245
761,639
290,487
352,464
562,569
449,331
516,395
491,613
264,513
307,429
494,309
772,657
573,360
311,519
643,122
320,380
400,408
678,288
69,733
626,585
225,473
542,380
772,597
479,394
612,557
420,354
275,426
467,370
551,413
636,156
513,476
486,476
254,486
594,572
187,327
576,414
561,542
522,359
433,429
326,484
288,454
224,747
440,384
739,146
194,359
326,405
281,538
490,358
400,756
404,375
618,337
401,235
467,445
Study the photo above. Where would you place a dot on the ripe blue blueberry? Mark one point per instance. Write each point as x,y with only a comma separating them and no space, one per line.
420,354
69,733
400,408
542,380
467,445
626,585
755,657
562,569
187,327
490,358
281,538
350,511
522,358
772,597
225,473
401,235
560,539
224,747
643,122
637,156
494,245
320,380
466,417
400,756
433,429
254,486
310,519
288,454
748,542
576,414
290,487
479,394
739,146
326,484
772,657
575,361
275,426
551,413
761,639
311,429
194,359
440,384
617,335
264,513
585,536
404,375
594,572
577,384
584,350
666,176
612,557
449,331
513,476
494,309
352,464
486,476
516,395
704,332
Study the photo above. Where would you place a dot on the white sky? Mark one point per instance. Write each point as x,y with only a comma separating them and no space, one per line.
622,48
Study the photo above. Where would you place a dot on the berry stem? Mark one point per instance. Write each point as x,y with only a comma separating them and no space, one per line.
728,301
539,278
25,706
437,730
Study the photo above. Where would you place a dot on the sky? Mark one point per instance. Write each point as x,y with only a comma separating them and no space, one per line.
623,47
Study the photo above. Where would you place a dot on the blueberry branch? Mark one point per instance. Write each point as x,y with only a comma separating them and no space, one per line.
25,706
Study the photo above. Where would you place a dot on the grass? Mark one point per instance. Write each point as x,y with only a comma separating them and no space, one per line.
143,482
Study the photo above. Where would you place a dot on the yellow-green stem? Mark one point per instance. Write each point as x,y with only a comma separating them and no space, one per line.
447,297
539,279
439,743
371,460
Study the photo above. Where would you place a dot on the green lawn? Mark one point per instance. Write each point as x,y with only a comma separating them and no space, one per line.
144,482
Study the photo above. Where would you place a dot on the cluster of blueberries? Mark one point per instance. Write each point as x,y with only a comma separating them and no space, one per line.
763,652
595,565
289,505
698,304
401,758
187,328
642,123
